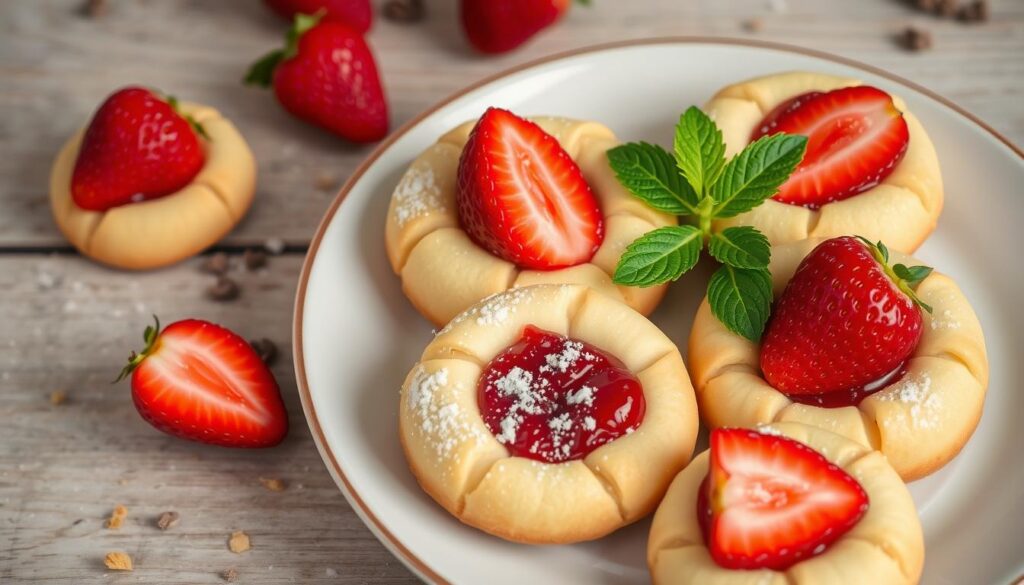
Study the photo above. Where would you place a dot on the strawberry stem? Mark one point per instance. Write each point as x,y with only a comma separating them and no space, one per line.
196,126
150,336
905,278
262,72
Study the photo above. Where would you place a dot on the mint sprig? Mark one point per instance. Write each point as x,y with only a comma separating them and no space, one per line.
695,181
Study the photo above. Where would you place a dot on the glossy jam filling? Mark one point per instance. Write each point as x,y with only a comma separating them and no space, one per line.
851,397
551,398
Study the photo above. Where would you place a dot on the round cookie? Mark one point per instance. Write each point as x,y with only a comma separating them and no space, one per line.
901,211
885,546
920,421
463,466
443,272
162,231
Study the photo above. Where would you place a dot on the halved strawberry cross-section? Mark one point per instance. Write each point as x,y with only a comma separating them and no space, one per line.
769,501
522,198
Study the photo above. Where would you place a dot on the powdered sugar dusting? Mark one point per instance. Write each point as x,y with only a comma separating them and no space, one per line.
945,321
766,429
915,391
493,310
417,194
443,423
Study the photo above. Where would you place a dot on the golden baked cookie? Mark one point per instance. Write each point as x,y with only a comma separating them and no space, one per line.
563,494
162,231
902,210
920,421
886,546
444,272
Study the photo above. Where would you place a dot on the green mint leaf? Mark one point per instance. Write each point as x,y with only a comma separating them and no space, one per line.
740,247
649,173
756,173
699,149
741,298
659,256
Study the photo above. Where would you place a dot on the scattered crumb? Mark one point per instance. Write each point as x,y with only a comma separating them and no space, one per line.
224,289
915,39
404,11
254,259
58,397
231,575
326,182
266,349
239,542
167,520
273,484
331,572
117,517
945,8
274,245
118,561
753,25
215,264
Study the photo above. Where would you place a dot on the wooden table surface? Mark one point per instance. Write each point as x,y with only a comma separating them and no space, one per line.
66,324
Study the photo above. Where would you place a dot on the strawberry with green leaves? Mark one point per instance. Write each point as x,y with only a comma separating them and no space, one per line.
498,26
356,13
697,183
326,75
846,319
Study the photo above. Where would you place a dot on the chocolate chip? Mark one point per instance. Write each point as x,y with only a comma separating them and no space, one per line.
225,289
94,8
231,575
976,11
945,8
254,259
926,5
215,263
916,39
404,11
166,520
266,349
326,182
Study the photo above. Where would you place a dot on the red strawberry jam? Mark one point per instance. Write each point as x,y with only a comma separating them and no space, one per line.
851,397
554,399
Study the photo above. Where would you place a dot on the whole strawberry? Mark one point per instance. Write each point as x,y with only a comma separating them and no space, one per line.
497,26
845,320
137,147
326,75
356,13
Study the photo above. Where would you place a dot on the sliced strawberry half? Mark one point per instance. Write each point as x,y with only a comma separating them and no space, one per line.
856,137
522,198
199,381
769,501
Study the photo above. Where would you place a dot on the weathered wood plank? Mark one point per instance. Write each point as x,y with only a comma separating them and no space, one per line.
55,66
68,325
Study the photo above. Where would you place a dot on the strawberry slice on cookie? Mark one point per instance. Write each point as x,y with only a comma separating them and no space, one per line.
199,381
769,502
856,137
522,197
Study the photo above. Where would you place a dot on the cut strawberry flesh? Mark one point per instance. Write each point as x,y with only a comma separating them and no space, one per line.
204,383
769,502
522,198
553,399
856,137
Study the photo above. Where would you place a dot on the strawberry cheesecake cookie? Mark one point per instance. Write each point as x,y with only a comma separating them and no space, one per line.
548,414
151,181
786,504
861,342
506,202
869,169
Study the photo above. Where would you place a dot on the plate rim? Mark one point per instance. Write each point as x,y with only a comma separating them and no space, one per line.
379,530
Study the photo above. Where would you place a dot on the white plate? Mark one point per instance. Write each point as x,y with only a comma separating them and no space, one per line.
356,336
